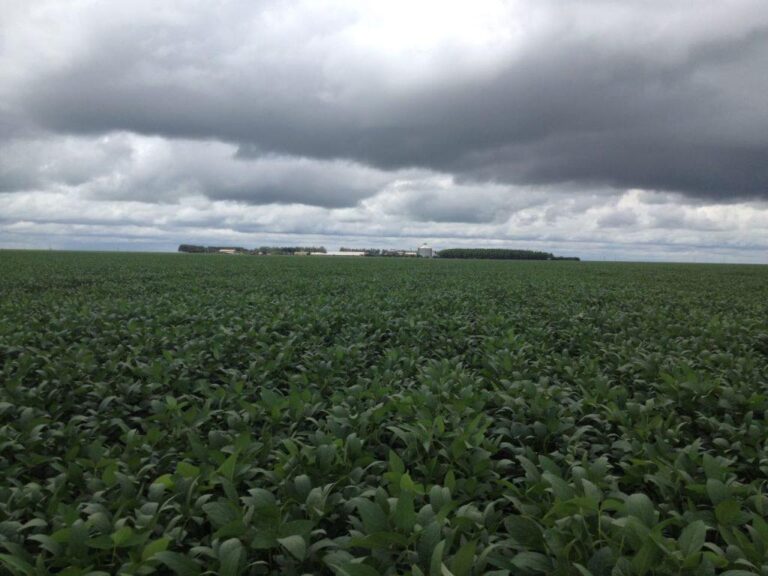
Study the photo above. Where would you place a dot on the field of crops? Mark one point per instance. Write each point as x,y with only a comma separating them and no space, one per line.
191,414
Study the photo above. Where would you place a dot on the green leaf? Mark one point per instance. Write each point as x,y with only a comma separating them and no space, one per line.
436,562
187,470
47,543
297,527
227,469
712,468
405,514
646,558
303,484
463,560
450,480
406,483
531,471
165,480
230,555
524,531
220,513
261,499
380,540
122,535
560,488
295,545
717,491
17,565
602,561
428,539
727,512
356,569
154,547
641,507
582,570
179,563
692,538
373,517
533,561
108,476
395,463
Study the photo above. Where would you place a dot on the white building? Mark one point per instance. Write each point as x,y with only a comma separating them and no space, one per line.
338,253
425,251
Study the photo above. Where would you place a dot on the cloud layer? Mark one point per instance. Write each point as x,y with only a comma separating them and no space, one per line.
501,121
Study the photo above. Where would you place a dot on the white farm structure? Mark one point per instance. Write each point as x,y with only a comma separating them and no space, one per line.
425,251
339,253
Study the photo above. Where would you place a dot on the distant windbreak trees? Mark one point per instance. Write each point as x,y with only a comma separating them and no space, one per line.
500,254
262,251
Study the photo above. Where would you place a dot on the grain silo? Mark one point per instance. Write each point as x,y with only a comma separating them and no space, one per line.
425,251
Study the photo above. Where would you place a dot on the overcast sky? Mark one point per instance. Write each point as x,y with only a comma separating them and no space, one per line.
610,130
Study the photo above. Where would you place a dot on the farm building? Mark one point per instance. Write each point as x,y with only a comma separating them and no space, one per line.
339,253
425,251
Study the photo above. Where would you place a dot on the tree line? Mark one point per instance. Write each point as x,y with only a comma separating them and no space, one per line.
262,250
500,254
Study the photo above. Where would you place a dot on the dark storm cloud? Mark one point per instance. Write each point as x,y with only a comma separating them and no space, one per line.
582,109
567,105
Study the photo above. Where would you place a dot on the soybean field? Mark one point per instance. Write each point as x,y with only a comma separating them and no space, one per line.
236,415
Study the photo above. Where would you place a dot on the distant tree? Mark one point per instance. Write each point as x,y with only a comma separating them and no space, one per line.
495,254
191,248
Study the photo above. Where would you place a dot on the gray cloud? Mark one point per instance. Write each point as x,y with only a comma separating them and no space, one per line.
63,219
530,123
578,102
128,167
442,199
619,219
